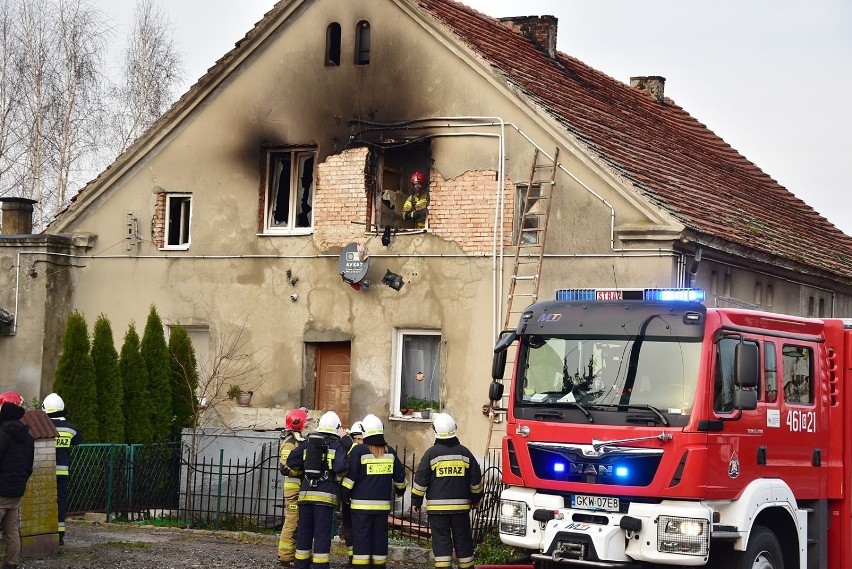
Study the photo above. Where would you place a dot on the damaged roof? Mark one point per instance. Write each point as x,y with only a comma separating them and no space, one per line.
671,158
674,160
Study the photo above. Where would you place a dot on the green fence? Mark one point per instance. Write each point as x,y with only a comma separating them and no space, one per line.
162,483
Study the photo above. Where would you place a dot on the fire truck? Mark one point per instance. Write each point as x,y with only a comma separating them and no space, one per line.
644,428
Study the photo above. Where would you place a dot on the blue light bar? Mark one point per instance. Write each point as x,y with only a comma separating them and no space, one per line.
622,471
564,294
559,467
674,294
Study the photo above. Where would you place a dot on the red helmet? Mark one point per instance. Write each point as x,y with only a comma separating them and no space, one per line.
12,397
296,420
418,177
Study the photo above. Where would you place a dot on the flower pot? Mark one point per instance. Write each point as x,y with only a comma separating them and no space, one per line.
426,414
244,398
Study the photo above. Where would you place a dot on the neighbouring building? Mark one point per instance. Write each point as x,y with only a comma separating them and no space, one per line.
267,204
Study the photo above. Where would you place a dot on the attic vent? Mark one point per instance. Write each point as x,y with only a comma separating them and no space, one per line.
541,30
653,85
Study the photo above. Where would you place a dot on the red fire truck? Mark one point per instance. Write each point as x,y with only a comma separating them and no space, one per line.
644,428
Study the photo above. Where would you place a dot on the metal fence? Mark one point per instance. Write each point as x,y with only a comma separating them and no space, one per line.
163,484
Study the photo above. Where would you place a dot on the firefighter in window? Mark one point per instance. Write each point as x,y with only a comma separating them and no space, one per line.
416,206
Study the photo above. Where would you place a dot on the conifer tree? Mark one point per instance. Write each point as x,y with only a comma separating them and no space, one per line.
75,378
134,377
108,381
155,352
184,378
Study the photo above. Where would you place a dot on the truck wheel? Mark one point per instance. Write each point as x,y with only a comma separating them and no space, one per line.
763,552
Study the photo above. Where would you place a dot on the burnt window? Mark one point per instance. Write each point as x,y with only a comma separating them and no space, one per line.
527,211
178,214
289,190
362,43
394,193
332,44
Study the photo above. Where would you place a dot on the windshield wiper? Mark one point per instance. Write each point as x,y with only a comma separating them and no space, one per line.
659,414
576,405
545,414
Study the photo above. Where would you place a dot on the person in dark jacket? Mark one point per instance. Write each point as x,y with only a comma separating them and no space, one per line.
17,451
375,473
349,441
318,495
450,479
68,436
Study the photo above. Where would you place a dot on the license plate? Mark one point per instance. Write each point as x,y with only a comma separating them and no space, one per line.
583,502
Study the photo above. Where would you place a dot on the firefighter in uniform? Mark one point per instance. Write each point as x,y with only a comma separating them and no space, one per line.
450,479
318,495
68,436
416,206
296,425
375,472
349,442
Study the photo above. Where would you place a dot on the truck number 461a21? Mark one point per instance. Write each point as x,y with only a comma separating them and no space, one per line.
801,421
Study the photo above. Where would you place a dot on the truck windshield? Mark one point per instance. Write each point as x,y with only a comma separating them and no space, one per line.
563,371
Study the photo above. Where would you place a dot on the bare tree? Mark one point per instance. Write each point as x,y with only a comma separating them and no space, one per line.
153,68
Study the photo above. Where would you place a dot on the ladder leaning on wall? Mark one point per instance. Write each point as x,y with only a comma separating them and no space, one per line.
529,240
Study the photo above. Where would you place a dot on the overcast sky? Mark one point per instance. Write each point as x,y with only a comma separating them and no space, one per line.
771,77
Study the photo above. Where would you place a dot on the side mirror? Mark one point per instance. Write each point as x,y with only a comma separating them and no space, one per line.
745,400
495,391
746,366
498,365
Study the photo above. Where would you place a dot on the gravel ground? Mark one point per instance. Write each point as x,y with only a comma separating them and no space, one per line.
106,546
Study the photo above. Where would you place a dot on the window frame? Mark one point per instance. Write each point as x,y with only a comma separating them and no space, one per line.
810,375
185,221
273,157
397,366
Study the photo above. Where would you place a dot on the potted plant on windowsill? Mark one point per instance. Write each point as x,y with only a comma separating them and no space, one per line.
240,397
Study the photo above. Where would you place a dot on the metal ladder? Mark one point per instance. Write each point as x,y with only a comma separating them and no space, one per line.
529,244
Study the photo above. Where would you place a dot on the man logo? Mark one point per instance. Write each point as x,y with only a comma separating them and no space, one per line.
549,318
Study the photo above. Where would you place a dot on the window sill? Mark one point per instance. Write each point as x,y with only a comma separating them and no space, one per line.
283,233
175,247
410,419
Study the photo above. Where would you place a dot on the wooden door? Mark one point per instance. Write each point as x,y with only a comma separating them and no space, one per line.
332,383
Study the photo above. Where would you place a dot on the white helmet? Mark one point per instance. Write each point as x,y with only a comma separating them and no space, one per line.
329,423
53,403
444,426
372,426
357,429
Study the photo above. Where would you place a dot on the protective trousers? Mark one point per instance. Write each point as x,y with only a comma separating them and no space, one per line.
346,528
313,540
62,503
371,539
287,539
449,529
9,510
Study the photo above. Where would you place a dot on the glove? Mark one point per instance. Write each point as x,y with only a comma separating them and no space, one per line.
283,469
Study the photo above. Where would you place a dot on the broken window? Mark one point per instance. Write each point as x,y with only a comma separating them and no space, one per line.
178,213
332,44
395,166
362,43
290,190
526,202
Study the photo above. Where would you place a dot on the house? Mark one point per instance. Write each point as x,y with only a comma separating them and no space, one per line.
266,205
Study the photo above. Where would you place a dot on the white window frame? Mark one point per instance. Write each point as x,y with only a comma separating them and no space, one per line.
397,367
185,213
298,158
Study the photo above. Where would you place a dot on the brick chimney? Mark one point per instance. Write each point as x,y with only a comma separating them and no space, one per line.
17,216
654,85
541,30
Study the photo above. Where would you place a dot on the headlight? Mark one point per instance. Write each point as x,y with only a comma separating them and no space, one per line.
689,536
513,517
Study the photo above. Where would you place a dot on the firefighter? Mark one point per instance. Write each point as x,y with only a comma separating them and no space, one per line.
450,479
67,437
416,206
349,442
322,460
375,472
296,425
